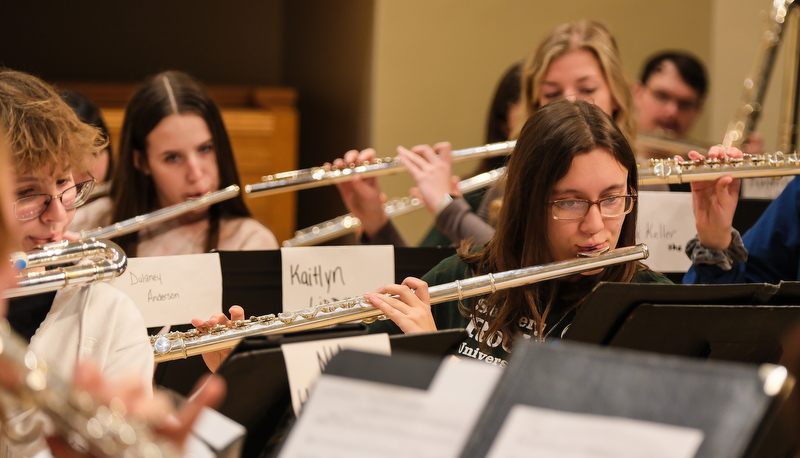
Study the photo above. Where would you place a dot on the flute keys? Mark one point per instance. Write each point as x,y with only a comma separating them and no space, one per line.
662,169
162,345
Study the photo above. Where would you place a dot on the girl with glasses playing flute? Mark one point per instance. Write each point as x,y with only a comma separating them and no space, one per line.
32,122
570,191
48,147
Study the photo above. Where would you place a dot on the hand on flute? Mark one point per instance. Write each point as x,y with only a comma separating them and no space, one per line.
363,196
714,202
157,411
214,359
408,305
431,168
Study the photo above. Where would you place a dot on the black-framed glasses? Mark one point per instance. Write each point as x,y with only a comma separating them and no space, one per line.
664,98
31,207
610,207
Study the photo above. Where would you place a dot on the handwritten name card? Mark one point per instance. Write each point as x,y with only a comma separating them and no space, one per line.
666,224
314,275
173,289
305,361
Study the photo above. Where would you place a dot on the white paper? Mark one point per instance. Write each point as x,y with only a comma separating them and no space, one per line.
349,418
313,275
173,289
219,432
764,188
305,361
666,224
533,431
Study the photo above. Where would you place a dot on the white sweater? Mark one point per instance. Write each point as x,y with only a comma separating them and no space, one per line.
86,323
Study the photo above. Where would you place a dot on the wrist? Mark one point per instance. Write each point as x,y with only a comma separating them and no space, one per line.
446,200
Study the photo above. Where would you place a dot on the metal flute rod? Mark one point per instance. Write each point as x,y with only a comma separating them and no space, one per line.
179,345
348,223
164,214
109,262
751,166
323,176
755,84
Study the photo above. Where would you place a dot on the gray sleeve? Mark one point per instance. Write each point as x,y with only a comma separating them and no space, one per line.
388,235
458,223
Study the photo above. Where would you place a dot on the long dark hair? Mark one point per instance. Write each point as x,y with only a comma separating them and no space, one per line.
547,144
160,96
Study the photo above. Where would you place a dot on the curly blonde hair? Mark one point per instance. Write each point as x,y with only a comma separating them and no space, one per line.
42,132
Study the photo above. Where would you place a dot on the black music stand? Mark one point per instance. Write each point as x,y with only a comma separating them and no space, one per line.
726,401
258,394
610,307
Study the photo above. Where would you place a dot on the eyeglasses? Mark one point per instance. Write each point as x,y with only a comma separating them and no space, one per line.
610,207
664,98
33,206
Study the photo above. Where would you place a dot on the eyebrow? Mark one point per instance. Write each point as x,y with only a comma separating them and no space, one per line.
577,191
582,79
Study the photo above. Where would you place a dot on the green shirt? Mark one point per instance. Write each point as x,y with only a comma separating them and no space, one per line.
448,316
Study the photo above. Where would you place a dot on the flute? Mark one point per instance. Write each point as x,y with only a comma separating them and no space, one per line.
180,345
750,166
108,262
348,223
328,175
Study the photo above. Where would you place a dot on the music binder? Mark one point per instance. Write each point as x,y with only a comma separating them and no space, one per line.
258,394
730,403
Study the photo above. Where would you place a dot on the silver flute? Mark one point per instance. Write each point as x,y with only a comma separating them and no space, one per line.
138,223
348,223
180,345
108,262
328,175
750,166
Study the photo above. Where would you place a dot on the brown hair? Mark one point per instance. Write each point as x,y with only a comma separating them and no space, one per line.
544,152
42,132
133,191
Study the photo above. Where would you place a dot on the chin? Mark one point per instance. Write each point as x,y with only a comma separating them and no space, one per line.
592,272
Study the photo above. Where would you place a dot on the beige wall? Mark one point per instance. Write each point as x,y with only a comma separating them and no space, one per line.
737,29
436,62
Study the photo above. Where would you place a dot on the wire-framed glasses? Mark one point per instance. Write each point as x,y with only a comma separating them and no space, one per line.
31,207
610,207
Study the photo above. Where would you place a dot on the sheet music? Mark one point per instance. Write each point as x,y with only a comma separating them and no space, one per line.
355,418
534,431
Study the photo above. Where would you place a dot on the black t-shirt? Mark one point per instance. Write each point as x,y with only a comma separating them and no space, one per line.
25,314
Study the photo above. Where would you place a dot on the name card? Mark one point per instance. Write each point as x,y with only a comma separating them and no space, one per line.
314,275
666,224
764,188
305,361
173,289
